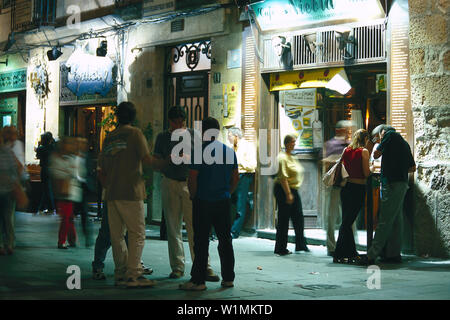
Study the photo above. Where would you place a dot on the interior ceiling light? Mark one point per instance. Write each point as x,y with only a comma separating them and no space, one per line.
102,50
53,54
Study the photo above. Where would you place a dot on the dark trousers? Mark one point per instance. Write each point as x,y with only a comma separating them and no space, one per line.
47,200
286,211
352,200
206,214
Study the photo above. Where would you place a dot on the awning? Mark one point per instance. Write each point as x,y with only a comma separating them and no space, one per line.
331,78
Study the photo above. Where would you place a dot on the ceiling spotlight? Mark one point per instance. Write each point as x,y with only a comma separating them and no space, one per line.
102,49
53,54
10,42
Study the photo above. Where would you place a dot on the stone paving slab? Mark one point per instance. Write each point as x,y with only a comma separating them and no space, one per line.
37,271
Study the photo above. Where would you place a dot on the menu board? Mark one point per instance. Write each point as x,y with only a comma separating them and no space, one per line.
296,114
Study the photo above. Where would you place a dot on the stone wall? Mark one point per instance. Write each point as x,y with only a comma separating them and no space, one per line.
430,88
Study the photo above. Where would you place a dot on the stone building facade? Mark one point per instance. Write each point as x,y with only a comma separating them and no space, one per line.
430,88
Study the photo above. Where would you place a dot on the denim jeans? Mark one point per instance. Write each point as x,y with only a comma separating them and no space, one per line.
245,179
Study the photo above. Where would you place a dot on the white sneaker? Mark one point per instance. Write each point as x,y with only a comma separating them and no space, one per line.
140,282
191,286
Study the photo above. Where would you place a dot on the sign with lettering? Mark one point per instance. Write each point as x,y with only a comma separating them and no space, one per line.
315,78
89,74
281,14
13,81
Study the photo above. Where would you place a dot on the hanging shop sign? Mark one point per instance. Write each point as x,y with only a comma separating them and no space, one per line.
280,14
316,78
89,74
13,81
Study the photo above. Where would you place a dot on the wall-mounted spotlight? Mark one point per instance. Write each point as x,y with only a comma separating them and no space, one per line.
5,62
53,54
346,42
102,50
10,42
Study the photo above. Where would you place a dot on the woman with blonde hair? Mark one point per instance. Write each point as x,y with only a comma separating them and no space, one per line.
356,161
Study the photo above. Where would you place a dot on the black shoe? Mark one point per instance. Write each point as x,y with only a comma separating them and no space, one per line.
283,253
363,260
305,248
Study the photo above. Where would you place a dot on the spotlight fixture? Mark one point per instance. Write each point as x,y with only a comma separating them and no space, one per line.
102,49
10,42
53,54
5,62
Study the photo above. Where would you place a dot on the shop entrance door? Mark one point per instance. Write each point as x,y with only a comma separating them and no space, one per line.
190,91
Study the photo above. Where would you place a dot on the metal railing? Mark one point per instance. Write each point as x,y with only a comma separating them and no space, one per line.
365,44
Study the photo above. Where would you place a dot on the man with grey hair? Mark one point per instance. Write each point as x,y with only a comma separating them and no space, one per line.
396,163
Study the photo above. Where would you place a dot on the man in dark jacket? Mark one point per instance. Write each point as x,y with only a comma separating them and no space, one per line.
396,163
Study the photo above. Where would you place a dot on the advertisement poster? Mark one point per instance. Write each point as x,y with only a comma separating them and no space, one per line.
230,94
297,116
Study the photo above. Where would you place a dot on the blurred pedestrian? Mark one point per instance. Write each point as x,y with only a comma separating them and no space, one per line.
356,161
87,180
287,184
177,206
43,153
396,163
333,208
246,156
125,151
9,177
211,184
64,173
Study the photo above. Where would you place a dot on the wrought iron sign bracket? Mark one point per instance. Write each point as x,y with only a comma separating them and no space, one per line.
192,52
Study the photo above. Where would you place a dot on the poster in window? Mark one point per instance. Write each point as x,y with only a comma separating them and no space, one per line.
297,116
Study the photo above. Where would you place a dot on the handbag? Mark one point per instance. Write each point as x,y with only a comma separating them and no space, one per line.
20,196
337,175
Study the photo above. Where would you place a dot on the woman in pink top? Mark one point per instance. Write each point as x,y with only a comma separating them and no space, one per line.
356,161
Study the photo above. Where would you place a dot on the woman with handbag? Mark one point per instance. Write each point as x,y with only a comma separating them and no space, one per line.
288,181
67,189
356,162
